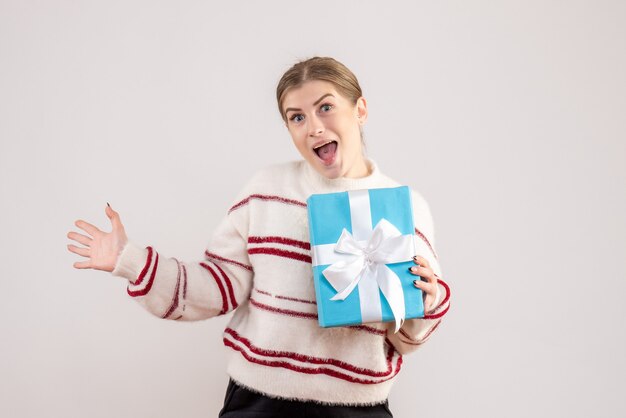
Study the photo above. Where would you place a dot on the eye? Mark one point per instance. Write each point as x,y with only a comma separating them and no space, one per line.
297,117
326,107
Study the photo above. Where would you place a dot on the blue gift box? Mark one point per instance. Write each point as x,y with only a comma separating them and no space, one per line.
357,216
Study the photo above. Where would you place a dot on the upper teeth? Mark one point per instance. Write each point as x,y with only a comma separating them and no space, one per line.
321,145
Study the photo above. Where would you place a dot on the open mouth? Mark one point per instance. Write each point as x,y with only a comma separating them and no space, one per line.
326,151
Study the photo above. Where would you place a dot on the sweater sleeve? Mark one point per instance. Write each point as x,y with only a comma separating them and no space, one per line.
415,332
212,285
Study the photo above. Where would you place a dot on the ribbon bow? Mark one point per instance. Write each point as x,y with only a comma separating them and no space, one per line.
367,268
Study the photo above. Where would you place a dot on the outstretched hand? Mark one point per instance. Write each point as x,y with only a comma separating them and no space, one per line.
102,248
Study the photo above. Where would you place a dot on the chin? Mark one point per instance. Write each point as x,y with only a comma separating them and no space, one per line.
332,172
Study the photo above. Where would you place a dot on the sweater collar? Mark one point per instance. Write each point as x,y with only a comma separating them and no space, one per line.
321,184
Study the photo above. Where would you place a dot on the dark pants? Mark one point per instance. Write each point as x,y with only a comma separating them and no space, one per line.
242,403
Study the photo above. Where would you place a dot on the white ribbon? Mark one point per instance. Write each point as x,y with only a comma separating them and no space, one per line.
366,267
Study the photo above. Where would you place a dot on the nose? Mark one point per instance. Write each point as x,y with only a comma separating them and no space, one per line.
315,127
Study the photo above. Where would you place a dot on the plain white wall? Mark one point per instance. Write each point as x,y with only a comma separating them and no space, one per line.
508,116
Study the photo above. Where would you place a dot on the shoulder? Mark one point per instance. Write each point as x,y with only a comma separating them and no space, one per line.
272,179
420,205
422,216
273,172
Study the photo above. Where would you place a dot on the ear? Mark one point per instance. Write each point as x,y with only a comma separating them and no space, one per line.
361,110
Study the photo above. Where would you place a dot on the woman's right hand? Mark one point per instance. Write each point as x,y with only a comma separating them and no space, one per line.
102,248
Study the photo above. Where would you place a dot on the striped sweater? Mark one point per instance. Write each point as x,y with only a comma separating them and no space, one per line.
258,263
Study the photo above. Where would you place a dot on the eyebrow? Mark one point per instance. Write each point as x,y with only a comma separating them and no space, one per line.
314,104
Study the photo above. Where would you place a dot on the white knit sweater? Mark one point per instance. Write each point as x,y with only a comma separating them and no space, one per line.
258,262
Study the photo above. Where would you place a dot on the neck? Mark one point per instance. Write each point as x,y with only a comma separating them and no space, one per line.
359,170
368,178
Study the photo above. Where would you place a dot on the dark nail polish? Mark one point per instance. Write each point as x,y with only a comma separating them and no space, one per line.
414,281
108,204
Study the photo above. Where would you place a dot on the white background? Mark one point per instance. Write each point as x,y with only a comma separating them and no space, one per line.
508,116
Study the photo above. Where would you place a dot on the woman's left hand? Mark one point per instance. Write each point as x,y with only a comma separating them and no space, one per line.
429,286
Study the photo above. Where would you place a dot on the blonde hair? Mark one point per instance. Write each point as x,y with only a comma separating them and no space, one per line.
318,68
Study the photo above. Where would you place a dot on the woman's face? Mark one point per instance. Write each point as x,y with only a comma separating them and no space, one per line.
325,128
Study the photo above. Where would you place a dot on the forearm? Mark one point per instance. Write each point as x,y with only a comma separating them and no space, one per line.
416,331
173,289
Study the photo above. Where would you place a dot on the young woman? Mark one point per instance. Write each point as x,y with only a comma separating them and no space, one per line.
258,263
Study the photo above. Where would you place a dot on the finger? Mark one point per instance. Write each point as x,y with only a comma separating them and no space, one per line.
87,227
418,259
86,241
420,284
78,250
113,216
430,292
424,272
429,275
82,264
426,287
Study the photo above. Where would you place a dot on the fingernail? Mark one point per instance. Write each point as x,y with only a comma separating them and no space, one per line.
108,204
414,281
413,269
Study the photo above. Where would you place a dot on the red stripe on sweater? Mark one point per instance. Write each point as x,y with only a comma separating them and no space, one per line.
146,289
280,240
438,314
282,311
220,286
184,286
371,330
263,292
447,289
266,198
443,302
430,331
174,303
184,282
144,271
227,260
231,292
412,341
423,237
409,342
281,253
314,360
309,315
319,370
